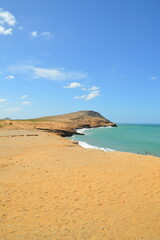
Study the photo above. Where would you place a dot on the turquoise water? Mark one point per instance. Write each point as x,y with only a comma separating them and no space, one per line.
135,138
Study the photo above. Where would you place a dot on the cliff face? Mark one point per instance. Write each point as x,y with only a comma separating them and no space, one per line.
63,125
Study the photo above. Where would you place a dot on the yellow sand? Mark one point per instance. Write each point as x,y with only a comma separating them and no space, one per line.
51,188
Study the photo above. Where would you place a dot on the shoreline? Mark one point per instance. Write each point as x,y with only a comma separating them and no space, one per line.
87,145
84,144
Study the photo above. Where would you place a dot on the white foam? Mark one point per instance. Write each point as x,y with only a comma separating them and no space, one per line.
86,131
86,145
83,131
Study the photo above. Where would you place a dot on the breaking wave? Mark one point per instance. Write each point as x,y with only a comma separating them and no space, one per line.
86,145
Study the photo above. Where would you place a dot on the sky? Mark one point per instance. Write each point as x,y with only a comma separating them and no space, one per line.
61,56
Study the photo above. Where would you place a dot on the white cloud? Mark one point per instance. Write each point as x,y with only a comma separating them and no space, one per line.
89,96
92,95
7,22
7,17
73,85
2,100
13,109
4,31
26,103
47,34
23,97
154,78
57,74
54,74
10,77
94,88
34,34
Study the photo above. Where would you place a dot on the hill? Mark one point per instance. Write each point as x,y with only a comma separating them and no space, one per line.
65,124
75,116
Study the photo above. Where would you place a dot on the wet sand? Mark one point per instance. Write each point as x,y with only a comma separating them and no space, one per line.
51,188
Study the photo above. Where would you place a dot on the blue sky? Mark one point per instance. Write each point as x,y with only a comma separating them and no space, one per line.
60,56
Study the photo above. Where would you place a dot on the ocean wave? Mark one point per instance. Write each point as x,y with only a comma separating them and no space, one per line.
86,145
83,131
86,131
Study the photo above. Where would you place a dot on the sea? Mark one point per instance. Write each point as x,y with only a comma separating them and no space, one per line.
134,138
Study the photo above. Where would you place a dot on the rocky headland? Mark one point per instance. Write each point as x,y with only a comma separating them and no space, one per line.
64,125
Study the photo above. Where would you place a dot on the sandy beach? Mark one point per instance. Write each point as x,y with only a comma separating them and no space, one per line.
51,188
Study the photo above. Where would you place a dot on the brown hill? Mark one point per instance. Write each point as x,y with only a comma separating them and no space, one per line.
75,120
75,117
65,124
